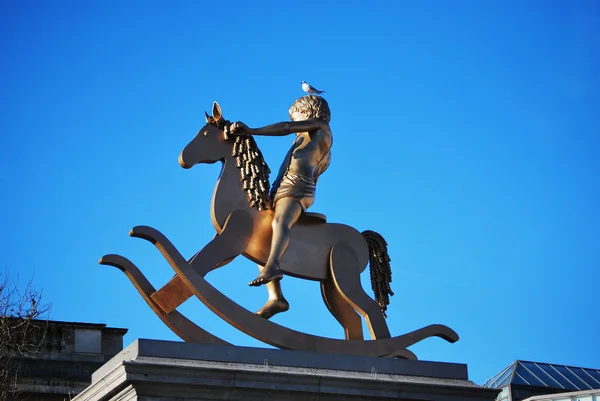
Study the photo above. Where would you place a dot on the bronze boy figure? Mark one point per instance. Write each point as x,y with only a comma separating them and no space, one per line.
294,188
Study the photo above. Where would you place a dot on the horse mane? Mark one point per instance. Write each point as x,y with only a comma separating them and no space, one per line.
254,171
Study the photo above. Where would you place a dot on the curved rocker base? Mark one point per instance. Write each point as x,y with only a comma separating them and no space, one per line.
223,248
177,322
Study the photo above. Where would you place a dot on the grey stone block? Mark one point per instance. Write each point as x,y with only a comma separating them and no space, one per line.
161,370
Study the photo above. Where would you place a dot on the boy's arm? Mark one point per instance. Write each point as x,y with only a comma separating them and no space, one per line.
280,129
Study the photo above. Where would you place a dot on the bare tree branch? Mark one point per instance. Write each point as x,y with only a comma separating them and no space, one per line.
23,327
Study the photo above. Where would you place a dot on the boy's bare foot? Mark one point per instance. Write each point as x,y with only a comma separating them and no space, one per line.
273,307
267,275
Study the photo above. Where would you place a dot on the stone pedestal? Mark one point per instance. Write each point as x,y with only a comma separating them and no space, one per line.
163,370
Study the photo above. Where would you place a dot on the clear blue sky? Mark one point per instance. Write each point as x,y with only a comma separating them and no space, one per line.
466,132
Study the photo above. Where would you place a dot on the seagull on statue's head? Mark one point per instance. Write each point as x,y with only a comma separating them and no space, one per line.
310,89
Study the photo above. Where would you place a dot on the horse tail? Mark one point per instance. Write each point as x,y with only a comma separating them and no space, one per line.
380,269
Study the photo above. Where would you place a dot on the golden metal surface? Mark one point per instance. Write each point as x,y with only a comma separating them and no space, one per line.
334,254
174,320
173,294
256,326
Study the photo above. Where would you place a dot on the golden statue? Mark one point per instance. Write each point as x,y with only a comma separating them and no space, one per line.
276,231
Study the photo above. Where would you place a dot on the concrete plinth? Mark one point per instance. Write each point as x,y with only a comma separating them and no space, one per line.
163,370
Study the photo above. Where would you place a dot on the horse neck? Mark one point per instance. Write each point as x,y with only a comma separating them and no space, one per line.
228,194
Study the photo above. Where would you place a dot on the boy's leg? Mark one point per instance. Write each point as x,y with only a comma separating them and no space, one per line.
287,213
276,302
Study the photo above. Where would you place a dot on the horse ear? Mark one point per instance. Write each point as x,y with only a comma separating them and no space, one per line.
217,115
207,117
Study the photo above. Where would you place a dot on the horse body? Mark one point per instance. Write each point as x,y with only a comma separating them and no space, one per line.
307,255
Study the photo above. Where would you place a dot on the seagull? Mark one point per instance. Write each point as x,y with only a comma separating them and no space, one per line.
309,89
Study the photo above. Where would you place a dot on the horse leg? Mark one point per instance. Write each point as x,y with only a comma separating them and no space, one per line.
342,310
346,276
221,250
175,292
276,302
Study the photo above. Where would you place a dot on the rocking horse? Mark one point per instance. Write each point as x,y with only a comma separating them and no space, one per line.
333,254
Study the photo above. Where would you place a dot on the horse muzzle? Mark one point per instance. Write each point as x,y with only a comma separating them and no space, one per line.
182,161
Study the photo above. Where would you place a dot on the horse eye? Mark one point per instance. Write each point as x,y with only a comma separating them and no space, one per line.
205,133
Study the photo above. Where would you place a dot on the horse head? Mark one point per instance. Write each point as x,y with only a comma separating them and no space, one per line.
210,144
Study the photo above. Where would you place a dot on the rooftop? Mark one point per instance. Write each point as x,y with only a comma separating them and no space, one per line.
538,374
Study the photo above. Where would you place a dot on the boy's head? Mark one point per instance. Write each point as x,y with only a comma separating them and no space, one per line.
311,107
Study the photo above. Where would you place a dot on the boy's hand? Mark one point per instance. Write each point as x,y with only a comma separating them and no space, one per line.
239,128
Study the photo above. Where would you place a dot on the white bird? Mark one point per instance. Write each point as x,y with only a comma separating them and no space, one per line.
309,89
